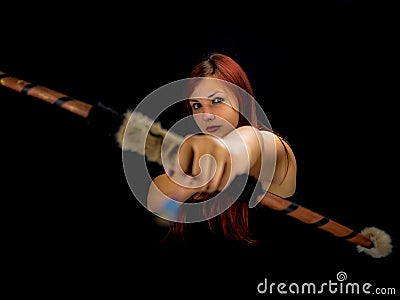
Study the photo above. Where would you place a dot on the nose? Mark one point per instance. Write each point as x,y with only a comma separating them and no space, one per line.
208,114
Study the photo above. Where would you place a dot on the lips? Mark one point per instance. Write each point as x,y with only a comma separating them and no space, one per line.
213,128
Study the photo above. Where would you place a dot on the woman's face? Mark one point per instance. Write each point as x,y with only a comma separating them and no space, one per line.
214,107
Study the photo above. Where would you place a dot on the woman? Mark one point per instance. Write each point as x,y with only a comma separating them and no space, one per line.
222,105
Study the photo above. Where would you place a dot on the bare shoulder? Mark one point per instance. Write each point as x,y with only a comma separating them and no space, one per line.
284,179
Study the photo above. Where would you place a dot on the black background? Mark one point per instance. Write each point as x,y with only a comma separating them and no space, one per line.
325,73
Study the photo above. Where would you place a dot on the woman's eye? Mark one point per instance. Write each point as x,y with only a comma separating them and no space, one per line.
218,100
196,105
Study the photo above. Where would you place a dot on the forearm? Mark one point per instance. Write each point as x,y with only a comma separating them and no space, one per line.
162,190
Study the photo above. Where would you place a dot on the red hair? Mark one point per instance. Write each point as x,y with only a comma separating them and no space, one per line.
234,221
223,67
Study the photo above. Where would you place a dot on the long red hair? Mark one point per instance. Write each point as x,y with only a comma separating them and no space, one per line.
234,221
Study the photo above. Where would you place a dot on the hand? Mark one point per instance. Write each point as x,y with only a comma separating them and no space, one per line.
204,164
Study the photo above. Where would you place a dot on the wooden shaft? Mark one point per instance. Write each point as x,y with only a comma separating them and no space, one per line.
53,97
310,217
273,201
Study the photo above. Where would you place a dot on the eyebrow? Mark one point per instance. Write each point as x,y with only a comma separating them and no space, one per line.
210,96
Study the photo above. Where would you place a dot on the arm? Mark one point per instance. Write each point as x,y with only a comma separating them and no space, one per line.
245,150
195,175
162,189
270,159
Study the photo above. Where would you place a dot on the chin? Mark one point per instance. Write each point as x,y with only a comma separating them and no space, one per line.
219,134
